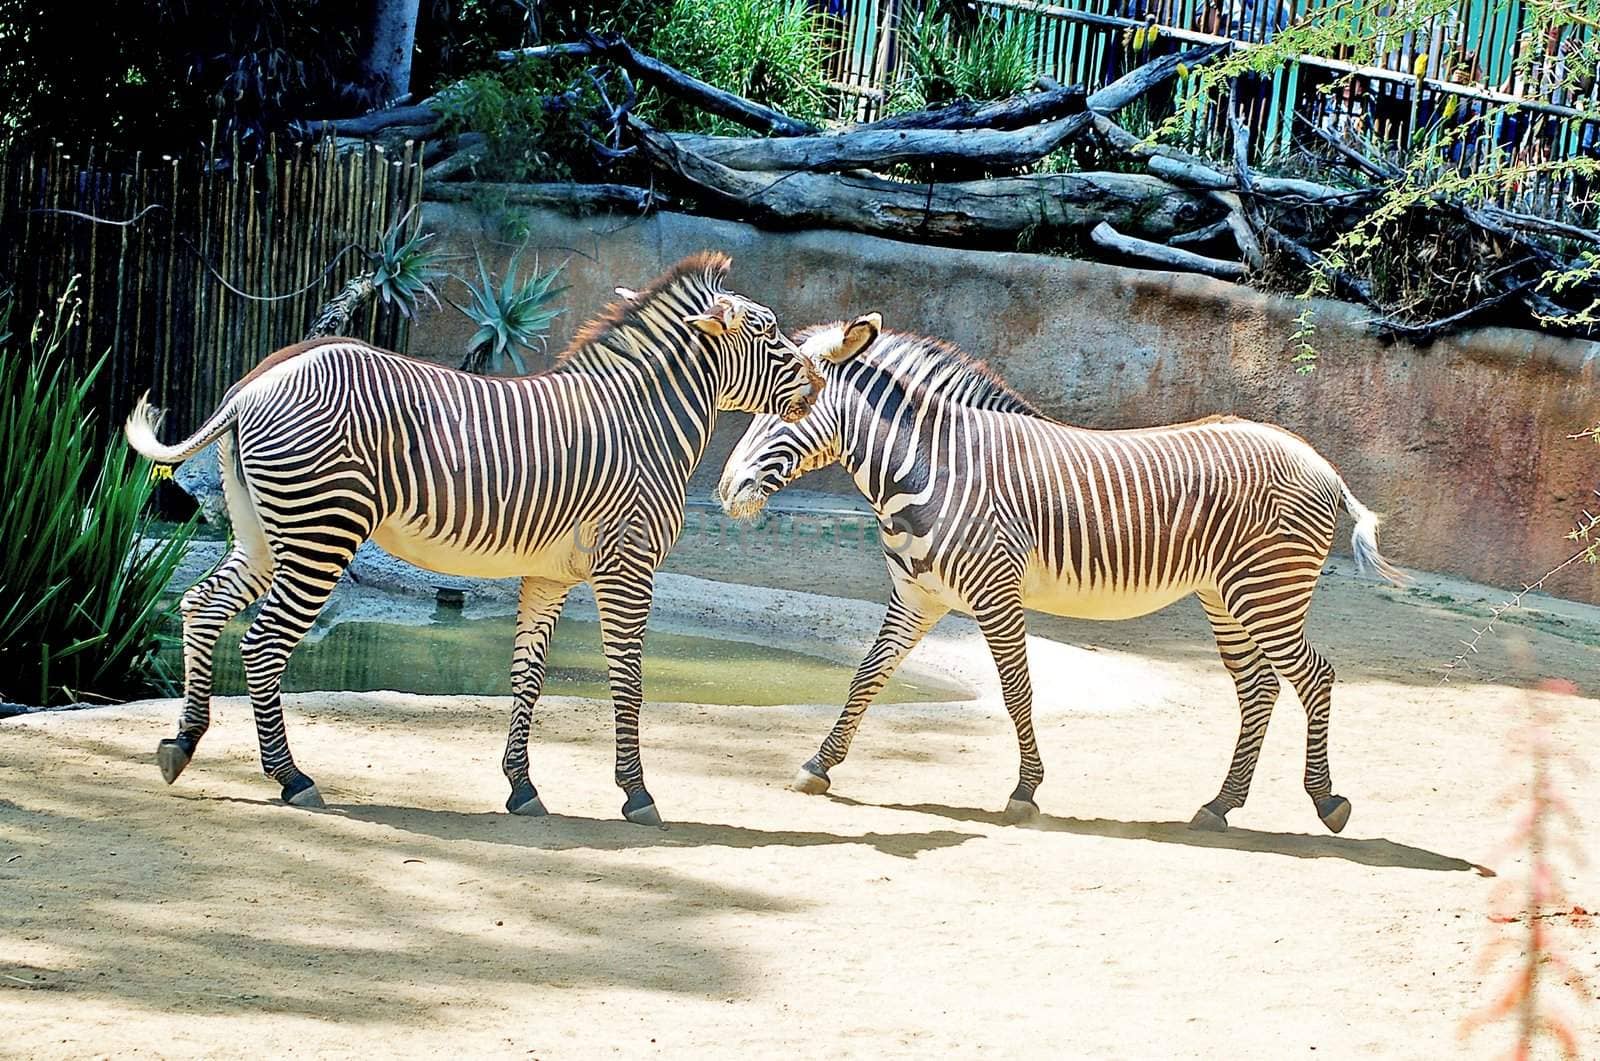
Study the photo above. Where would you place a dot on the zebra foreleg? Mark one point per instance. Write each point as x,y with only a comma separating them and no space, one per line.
537,611
206,607
297,594
1005,629
1257,688
903,626
623,601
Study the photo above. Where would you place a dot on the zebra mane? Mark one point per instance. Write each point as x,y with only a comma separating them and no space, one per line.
688,281
957,377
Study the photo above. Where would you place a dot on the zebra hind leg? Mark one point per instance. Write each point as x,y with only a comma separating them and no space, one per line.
1257,688
206,608
297,594
903,626
1285,646
537,611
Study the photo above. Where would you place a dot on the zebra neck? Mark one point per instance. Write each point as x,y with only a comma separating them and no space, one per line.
670,398
883,439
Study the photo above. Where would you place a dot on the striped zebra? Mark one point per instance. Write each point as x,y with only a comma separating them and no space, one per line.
988,507
573,475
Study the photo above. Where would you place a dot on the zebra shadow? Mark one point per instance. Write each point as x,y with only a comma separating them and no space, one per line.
563,832
1365,851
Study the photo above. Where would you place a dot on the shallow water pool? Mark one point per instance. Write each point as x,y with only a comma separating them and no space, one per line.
454,655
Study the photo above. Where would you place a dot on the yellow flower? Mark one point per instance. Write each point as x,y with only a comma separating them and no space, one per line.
1420,67
1450,105
159,472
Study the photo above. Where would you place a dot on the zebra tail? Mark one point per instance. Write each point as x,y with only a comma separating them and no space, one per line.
1364,541
145,422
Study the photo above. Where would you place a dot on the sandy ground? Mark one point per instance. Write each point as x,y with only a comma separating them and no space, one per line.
895,917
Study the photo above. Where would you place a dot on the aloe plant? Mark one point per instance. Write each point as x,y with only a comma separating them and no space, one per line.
83,612
402,272
509,315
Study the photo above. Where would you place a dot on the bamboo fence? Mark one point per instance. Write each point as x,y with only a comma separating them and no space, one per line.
197,267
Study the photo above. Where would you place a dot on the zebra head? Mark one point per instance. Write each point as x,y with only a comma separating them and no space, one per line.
774,452
760,369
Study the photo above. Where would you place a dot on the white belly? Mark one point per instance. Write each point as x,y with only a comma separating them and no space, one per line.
562,559
1044,592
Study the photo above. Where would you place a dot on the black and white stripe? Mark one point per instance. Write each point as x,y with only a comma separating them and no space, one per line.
988,507
577,474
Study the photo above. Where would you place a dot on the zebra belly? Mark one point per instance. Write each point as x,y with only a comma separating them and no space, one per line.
1044,592
561,559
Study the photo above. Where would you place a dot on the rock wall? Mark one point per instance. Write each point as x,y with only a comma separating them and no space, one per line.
1461,445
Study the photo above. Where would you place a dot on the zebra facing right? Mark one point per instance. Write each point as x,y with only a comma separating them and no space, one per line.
987,506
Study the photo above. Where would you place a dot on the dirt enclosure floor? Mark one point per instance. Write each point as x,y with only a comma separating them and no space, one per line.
895,917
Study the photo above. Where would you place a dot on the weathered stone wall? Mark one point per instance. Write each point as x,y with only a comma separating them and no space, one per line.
1462,445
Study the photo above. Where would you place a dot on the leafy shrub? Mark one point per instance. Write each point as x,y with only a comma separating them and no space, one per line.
769,51
533,116
988,60
82,612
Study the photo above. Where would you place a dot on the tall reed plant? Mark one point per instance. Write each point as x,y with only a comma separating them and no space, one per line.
83,614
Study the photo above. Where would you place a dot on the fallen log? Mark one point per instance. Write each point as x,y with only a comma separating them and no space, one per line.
1203,235
472,149
423,118
1135,83
563,195
878,148
1195,174
1028,109
668,78
1166,257
973,212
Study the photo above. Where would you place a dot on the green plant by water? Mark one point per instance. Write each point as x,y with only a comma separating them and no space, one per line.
82,615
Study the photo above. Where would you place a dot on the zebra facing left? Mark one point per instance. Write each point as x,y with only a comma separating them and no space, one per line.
989,507
577,474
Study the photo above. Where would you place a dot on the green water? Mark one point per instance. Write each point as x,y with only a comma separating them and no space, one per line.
474,656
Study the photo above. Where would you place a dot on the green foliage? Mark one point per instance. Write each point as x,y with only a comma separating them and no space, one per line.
405,271
155,74
81,598
991,60
508,316
769,51
534,115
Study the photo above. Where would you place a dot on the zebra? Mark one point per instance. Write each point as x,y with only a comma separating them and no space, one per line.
988,507
576,474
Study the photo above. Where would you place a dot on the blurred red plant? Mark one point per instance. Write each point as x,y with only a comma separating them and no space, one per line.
1545,825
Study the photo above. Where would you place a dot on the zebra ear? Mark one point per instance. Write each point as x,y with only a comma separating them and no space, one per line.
858,335
719,321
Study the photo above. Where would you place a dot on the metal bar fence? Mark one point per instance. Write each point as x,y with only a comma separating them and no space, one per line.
1474,52
209,266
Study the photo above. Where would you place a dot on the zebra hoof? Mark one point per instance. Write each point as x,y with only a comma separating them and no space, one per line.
640,809
303,793
1334,812
1209,821
1020,811
813,781
172,757
524,800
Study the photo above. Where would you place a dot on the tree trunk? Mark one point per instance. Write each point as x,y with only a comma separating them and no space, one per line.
982,212
391,35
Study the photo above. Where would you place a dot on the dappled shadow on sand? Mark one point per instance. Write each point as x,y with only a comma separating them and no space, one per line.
1363,851
558,832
